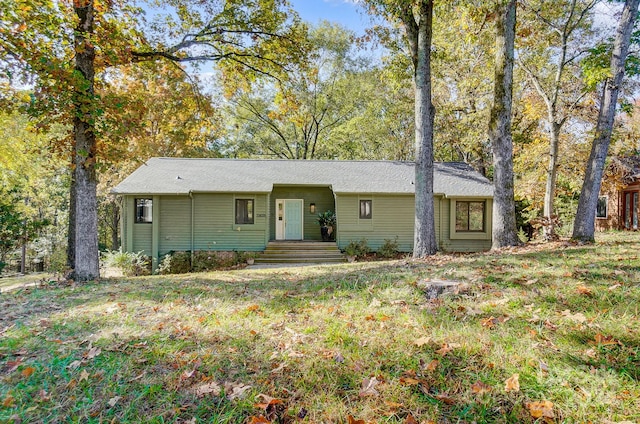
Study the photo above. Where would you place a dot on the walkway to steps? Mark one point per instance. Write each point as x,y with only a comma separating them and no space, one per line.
300,252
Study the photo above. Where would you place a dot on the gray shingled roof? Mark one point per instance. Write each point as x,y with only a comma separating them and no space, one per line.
181,176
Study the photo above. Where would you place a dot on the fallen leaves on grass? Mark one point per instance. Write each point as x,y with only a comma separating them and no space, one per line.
603,340
410,420
368,387
8,401
27,372
422,341
577,317
480,388
585,291
208,388
542,409
114,400
512,384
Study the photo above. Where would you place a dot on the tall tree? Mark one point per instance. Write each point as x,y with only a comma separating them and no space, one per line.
416,18
85,178
504,217
246,37
584,225
549,56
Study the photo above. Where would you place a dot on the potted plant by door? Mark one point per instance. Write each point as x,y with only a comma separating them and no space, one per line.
327,221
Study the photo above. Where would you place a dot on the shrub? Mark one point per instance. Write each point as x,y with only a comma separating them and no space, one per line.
130,263
357,248
210,260
389,249
175,263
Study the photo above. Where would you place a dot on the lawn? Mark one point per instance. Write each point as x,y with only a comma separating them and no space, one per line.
546,333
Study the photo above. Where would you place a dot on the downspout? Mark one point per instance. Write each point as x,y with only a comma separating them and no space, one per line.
193,213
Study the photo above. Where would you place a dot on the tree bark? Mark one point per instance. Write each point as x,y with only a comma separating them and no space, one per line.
584,224
71,224
86,265
419,35
504,207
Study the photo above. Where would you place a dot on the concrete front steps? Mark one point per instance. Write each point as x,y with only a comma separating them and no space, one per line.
300,252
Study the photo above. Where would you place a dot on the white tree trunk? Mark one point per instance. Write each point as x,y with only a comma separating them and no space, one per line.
504,210
552,176
86,217
584,224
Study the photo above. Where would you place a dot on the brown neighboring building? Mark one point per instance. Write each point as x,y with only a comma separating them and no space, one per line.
619,195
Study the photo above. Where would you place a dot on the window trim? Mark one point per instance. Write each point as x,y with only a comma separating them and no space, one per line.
143,218
364,202
485,234
606,207
252,218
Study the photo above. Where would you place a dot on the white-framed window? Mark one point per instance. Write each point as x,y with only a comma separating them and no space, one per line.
144,210
601,208
365,209
244,211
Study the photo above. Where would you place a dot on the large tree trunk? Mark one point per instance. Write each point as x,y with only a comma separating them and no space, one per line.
504,208
419,34
552,176
584,224
86,216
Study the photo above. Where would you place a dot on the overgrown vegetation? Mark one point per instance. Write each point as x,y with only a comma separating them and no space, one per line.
543,333
183,262
129,263
357,249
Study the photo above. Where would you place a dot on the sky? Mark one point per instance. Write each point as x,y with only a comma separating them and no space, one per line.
345,12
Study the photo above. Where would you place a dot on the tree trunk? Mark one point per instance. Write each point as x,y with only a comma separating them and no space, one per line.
71,225
584,224
504,207
419,33
552,175
86,216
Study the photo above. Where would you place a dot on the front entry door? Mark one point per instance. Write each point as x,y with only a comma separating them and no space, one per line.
289,219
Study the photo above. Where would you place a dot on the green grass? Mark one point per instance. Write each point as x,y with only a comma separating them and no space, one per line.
563,317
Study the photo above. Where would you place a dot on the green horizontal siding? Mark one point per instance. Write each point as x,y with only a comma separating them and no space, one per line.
142,237
175,224
321,196
391,216
215,228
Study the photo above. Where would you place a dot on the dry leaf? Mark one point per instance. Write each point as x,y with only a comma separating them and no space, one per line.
446,399
8,401
446,348
422,341
489,322
393,405
26,372
92,353
352,420
512,384
210,388
84,375
605,340
368,387
259,419
408,381
584,290
236,391
542,409
480,388
431,366
410,420
114,400
74,365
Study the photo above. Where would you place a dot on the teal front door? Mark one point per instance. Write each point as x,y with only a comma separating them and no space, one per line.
293,219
